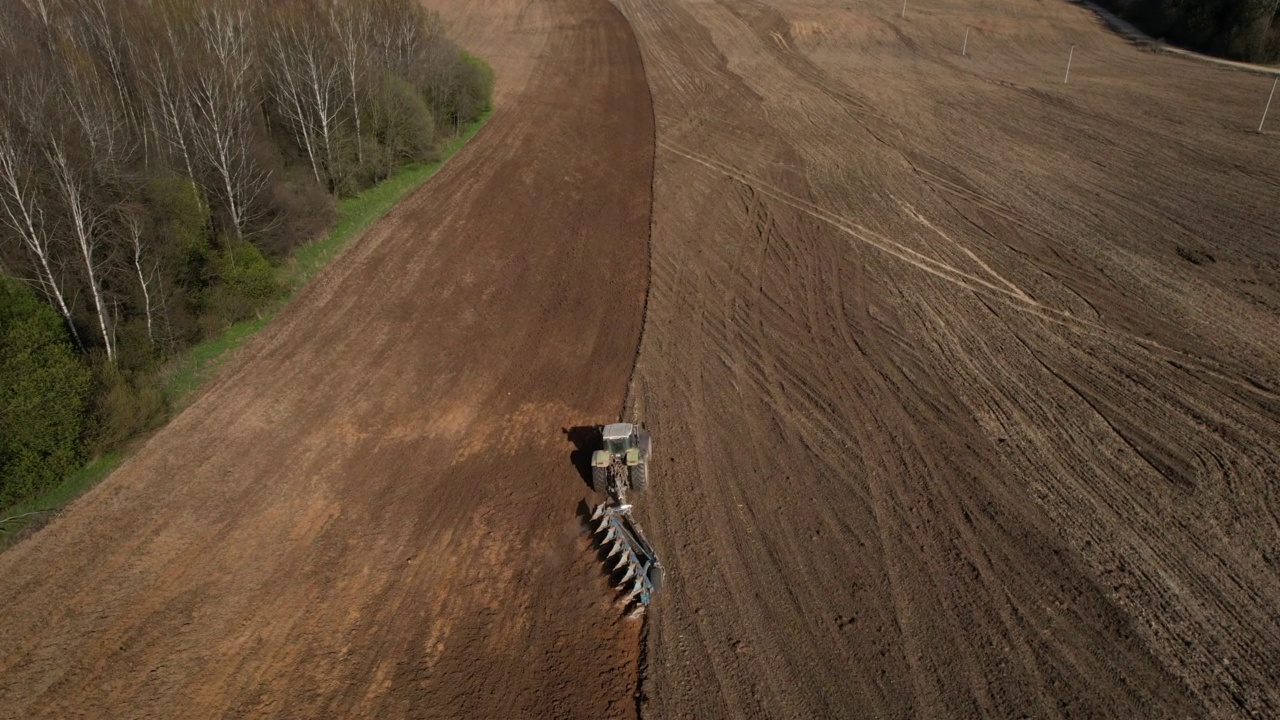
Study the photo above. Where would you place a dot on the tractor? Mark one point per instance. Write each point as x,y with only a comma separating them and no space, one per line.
619,465
622,463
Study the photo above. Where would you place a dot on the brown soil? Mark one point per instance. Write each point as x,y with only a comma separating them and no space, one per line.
373,513
968,381
965,385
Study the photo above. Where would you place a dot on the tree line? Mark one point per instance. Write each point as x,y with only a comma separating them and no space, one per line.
158,159
1247,30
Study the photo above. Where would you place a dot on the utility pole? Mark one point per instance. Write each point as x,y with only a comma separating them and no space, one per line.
1269,99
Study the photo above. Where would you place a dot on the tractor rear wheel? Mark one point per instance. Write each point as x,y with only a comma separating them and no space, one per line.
600,480
639,477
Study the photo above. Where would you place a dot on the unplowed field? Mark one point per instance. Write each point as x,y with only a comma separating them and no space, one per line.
969,379
965,385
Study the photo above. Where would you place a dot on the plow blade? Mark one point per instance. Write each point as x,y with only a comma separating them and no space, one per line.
635,558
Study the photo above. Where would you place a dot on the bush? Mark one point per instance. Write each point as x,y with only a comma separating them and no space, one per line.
244,271
475,89
184,222
401,126
459,87
44,388
134,351
124,405
245,283
300,212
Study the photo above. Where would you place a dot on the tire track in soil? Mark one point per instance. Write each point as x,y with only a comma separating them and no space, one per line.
370,513
1006,454
1003,290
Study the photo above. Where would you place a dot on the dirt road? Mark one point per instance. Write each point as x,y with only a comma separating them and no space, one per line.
970,379
372,514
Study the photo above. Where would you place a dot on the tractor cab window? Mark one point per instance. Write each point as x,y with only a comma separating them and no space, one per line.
617,446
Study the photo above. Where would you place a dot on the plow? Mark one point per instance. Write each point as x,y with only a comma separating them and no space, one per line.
620,465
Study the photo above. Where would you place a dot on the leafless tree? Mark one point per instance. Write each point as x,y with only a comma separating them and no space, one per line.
42,10
352,23
148,277
100,33
170,103
86,99
403,32
224,100
307,83
85,222
24,214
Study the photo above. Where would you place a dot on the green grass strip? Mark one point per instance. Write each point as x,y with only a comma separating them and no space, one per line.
42,507
200,362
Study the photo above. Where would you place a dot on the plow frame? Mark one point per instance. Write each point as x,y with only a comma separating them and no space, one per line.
614,529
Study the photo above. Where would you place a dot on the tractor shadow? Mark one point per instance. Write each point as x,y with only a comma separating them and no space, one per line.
586,440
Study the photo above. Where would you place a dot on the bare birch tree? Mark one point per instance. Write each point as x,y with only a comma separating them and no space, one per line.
84,221
308,83
103,37
224,100
42,10
24,214
170,103
353,26
85,97
148,277
290,91
402,32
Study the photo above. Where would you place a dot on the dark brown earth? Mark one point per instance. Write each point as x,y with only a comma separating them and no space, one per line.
965,385
373,514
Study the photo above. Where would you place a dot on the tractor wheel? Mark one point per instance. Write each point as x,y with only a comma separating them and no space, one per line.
640,477
600,480
655,578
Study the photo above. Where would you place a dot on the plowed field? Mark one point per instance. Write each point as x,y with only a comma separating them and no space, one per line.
964,382
373,514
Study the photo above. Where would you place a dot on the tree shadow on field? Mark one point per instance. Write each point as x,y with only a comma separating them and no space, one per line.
586,440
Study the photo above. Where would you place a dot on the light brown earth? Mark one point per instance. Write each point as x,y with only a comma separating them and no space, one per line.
968,381
965,385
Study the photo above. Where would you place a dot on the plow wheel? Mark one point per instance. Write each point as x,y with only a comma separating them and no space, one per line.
655,578
600,480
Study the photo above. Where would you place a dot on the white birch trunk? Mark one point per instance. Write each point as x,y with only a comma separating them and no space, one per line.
24,216
223,108
82,227
135,239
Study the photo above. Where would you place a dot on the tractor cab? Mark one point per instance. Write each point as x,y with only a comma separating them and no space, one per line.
623,444
618,439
